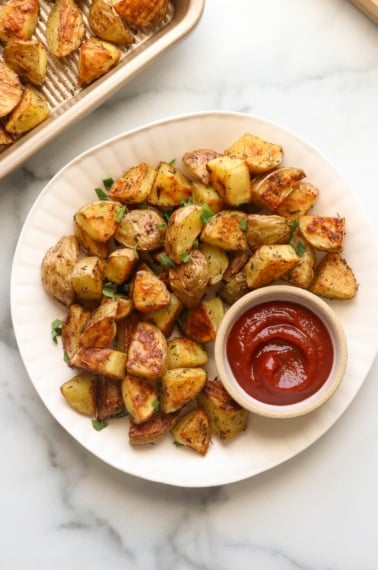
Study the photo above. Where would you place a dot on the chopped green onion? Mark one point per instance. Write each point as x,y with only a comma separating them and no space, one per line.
300,249
165,260
98,424
185,257
109,289
56,329
108,182
156,405
171,162
187,202
243,224
102,195
293,229
206,214
120,213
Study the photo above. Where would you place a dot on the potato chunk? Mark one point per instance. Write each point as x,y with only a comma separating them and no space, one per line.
193,430
72,327
202,195
147,354
270,190
165,319
32,110
184,227
120,264
227,230
202,322
100,219
141,229
334,278
227,418
268,263
142,13
10,89
134,186
259,155
299,201
96,57
230,178
179,386
149,292
109,399
56,269
196,163
28,58
18,19
80,392
105,361
170,188
217,261
100,329
266,230
140,396
185,353
86,279
65,28
151,430
323,233
106,23
189,280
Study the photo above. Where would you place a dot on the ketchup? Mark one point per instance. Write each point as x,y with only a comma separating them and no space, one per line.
280,352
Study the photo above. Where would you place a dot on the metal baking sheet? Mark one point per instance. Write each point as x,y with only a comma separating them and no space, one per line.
69,102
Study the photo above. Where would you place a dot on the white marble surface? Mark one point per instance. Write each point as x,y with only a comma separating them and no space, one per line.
311,66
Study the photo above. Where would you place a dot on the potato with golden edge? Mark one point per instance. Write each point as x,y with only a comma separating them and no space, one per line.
147,353
189,280
259,155
149,293
100,329
18,19
193,430
10,89
134,186
227,418
170,188
5,138
80,392
269,263
142,13
104,361
86,279
227,230
28,58
301,275
100,219
334,278
107,25
202,322
56,269
32,110
230,178
109,399
179,386
96,57
89,245
165,319
65,28
120,264
299,201
140,396
141,229
183,228
324,233
270,190
185,353
151,430
206,195
196,163
72,326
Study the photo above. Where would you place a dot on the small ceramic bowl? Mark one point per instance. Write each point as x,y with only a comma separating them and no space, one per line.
285,294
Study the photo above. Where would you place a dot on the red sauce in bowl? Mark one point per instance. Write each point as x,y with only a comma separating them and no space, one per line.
280,352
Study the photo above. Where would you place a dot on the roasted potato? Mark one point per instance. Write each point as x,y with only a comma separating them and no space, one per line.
237,260
65,28
183,228
299,201
302,273
80,392
125,331
10,89
202,322
134,186
100,219
100,329
109,399
193,430
86,279
107,24
56,269
170,188
196,163
28,58
334,278
149,293
235,288
151,430
18,19
269,263
88,245
270,190
230,178
202,194
103,361
120,264
142,13
72,326
140,397
96,57
141,229
258,154
323,233
266,230
189,280
165,319
185,353
5,138
227,418
227,230
32,110
217,261
147,354
179,386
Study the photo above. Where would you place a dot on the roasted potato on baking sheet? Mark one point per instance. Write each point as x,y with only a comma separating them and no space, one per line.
18,19
141,13
107,24
149,274
10,89
65,28
96,57
32,110
28,58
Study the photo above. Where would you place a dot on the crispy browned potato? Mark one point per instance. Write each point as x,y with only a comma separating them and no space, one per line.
202,322
10,89
179,386
72,326
152,429
141,229
302,273
270,190
99,219
149,292
125,330
107,25
227,230
189,280
142,13
299,201
185,353
259,155
18,19
170,188
5,138
100,329
147,354
56,269
86,279
267,229
109,399
141,397
80,392
323,233
28,58
165,319
65,28
96,57
120,264
183,228
334,278
193,430
88,245
134,186
231,179
196,163
269,263
32,110
227,418
202,194
103,361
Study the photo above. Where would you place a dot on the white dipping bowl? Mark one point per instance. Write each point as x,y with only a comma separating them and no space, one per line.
290,294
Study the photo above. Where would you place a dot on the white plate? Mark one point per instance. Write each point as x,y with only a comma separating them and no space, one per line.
266,443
